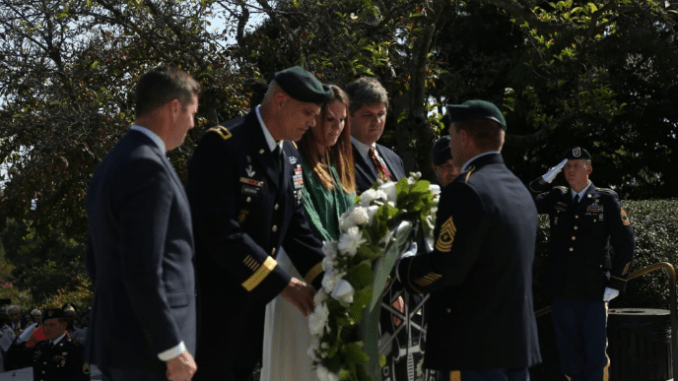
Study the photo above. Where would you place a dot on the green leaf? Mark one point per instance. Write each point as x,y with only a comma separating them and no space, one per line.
361,275
355,354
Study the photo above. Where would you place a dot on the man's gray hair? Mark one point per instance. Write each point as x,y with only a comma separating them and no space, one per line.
365,90
12,307
36,311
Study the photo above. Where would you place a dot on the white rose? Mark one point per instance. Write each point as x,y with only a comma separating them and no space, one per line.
317,320
360,216
324,374
367,196
345,221
330,249
330,279
328,263
350,241
371,211
319,297
343,292
390,189
434,189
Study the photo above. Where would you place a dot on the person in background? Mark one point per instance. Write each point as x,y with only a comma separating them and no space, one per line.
582,277
369,105
58,358
443,164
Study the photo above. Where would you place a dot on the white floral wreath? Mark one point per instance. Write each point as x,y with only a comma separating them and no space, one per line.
347,284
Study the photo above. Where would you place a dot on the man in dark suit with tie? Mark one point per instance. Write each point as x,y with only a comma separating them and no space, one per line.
582,277
140,244
479,275
245,188
369,104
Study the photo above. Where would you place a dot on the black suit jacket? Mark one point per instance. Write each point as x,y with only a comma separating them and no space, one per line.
366,175
579,245
479,276
244,211
139,255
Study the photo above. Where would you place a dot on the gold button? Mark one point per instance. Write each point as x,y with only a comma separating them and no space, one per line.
572,249
449,311
576,227
274,228
276,206
574,238
576,216
273,251
249,199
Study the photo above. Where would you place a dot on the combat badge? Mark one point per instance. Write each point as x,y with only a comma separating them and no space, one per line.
446,237
625,218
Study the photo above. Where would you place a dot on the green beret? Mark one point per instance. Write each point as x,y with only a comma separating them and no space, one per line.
475,109
53,313
441,150
576,153
302,85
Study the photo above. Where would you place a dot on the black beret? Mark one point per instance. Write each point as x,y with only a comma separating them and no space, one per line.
441,150
475,109
302,85
53,313
575,153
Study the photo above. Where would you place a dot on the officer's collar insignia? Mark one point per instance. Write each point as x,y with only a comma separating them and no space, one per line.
252,182
576,152
293,160
250,172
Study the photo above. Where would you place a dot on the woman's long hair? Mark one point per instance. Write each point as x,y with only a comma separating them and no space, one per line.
340,154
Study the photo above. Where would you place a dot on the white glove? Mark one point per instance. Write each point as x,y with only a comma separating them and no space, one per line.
610,293
554,171
412,251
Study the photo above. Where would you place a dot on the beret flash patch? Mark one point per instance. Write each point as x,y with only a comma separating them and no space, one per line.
446,236
625,218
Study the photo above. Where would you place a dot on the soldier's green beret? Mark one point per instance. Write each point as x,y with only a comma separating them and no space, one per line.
302,85
441,150
475,109
53,313
576,153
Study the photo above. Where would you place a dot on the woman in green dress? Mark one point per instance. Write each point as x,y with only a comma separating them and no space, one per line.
329,191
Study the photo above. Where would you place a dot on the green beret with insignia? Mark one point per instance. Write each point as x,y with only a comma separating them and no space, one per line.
441,150
576,153
302,85
475,109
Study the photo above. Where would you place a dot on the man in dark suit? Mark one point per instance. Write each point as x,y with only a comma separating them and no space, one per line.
245,188
582,278
58,358
140,244
369,103
481,317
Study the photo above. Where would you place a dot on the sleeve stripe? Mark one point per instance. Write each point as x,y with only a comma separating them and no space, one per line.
252,282
313,272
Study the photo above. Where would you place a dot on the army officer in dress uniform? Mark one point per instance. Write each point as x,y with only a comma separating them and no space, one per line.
245,187
58,358
481,316
583,277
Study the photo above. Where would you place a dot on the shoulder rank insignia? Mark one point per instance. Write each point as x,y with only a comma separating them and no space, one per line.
625,218
446,237
605,190
222,131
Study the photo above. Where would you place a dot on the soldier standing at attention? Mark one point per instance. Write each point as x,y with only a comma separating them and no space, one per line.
58,358
245,189
582,276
